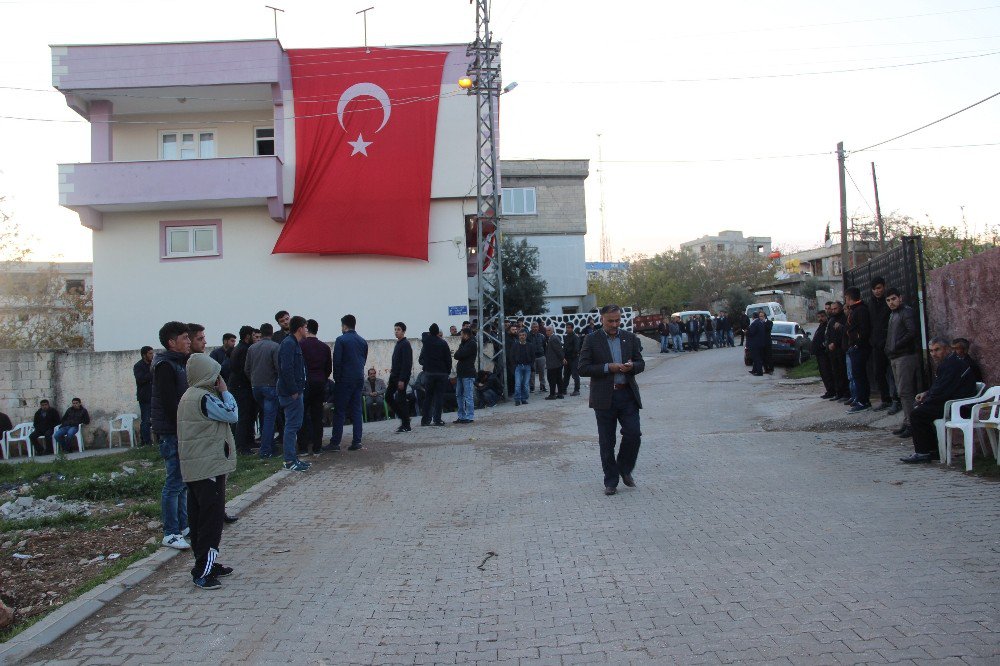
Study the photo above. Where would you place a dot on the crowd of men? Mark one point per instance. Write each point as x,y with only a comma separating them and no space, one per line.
856,343
712,330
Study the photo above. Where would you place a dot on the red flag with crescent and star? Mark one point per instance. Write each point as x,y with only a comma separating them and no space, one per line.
365,125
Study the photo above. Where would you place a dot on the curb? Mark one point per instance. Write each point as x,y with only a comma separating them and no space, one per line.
69,615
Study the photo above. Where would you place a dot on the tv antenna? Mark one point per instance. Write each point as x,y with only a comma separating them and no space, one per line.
364,13
275,10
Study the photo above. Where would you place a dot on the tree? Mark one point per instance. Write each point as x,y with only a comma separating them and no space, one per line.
47,314
523,291
943,244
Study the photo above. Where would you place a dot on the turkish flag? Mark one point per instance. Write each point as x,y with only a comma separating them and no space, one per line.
364,150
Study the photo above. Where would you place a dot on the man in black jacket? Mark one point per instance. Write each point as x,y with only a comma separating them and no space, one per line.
693,328
880,362
536,338
509,343
169,384
435,358
836,343
818,348
555,360
465,370
240,387
612,357
954,381
399,377
901,345
859,349
45,421
143,372
571,347
75,418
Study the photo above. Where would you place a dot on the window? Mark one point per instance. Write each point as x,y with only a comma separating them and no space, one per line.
518,201
719,247
263,141
190,241
76,287
193,145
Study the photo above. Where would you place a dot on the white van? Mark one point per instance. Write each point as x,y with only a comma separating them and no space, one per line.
687,314
772,309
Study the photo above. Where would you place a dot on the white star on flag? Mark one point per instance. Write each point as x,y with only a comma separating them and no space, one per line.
359,146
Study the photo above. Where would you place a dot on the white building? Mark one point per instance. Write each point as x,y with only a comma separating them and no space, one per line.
543,202
192,176
729,242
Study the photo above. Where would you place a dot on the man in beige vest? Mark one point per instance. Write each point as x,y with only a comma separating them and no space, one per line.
207,453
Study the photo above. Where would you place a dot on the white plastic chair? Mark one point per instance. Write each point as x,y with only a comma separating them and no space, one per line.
939,423
122,424
957,422
986,415
19,435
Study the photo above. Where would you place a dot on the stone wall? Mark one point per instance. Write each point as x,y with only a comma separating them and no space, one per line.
963,300
104,382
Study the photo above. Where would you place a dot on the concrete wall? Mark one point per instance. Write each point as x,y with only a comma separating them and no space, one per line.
963,300
135,292
105,384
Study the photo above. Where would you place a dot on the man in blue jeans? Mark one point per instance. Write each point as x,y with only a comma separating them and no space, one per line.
465,370
350,354
261,367
169,384
75,418
523,356
291,389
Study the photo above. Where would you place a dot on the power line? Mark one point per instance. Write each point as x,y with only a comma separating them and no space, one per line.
859,190
913,131
768,76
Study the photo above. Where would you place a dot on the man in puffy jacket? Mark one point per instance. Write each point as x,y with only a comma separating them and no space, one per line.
206,452
435,358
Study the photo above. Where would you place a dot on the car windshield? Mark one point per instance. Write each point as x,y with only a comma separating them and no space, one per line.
783,328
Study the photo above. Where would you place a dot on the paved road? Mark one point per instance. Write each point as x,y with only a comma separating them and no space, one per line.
741,544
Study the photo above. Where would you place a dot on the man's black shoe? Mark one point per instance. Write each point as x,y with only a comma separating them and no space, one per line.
220,571
550,397
404,428
226,518
826,396
575,393
896,407
918,458
330,447
905,433
425,423
628,480
756,374
560,396
440,423
898,430
355,447
610,490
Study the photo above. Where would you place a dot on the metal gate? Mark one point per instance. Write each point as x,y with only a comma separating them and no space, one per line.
902,267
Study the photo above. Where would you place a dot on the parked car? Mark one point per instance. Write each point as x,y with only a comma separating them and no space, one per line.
772,309
789,344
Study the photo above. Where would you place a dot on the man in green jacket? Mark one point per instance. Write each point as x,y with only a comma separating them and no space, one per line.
207,453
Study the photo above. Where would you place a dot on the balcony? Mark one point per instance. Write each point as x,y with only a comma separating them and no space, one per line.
92,189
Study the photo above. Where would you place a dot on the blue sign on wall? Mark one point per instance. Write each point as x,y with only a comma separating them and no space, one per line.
456,310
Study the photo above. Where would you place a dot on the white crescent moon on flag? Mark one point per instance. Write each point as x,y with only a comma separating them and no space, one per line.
368,90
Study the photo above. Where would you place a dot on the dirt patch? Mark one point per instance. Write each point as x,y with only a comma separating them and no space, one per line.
51,563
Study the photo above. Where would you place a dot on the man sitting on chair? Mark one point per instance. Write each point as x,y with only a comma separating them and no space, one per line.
374,393
75,418
954,381
45,421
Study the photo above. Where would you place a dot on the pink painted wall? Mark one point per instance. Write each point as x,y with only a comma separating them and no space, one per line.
964,301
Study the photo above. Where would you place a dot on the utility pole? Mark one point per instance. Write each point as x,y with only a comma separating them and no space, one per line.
364,13
275,10
485,74
878,214
843,212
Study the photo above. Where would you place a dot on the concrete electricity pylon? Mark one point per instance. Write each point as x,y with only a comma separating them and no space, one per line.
485,74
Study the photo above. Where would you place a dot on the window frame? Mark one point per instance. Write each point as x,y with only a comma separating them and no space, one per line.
167,226
505,196
273,139
197,133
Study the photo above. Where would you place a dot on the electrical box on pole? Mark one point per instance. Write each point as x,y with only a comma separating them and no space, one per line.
485,74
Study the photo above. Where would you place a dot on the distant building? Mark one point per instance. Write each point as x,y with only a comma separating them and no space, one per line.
543,203
729,242
604,270
824,261
31,291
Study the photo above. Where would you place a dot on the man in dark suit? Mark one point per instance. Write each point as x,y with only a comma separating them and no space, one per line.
954,381
693,327
350,353
756,340
399,377
611,358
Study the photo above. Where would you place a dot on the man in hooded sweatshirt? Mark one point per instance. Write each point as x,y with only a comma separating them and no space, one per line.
206,449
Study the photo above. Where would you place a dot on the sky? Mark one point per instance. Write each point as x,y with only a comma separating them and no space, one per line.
712,115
